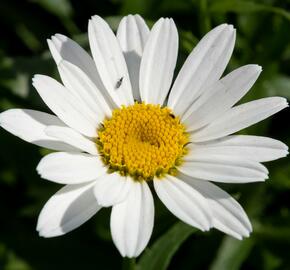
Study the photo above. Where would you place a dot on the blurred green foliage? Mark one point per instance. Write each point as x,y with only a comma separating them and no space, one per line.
263,37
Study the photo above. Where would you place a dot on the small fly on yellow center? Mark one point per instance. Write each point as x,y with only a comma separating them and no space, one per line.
143,141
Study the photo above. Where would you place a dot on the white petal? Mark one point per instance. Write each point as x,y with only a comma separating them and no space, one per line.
29,125
132,221
63,48
240,117
111,189
71,168
228,216
225,169
256,148
69,109
184,202
72,137
158,62
55,49
132,34
67,209
80,84
110,61
221,96
204,66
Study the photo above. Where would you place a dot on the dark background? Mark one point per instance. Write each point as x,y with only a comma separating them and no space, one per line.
263,37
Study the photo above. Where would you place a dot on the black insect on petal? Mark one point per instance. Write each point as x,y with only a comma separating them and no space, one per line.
119,83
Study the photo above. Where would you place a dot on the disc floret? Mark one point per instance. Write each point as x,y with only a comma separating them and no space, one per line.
143,141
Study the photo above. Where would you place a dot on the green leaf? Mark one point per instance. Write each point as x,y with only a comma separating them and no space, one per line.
232,253
28,37
60,8
159,255
246,7
187,41
278,85
273,232
280,175
204,18
129,264
16,263
113,21
272,261
136,7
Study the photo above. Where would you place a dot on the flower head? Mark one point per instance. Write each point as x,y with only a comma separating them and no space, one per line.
143,141
119,125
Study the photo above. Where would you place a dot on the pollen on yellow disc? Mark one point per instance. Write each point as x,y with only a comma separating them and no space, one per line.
142,140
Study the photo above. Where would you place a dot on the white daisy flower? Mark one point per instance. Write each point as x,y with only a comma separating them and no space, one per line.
119,126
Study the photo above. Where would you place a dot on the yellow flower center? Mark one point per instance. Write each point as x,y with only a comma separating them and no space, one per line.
142,140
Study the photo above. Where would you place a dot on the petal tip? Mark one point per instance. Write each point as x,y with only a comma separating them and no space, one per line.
39,168
225,26
40,234
283,103
37,77
44,234
61,37
245,235
259,68
96,18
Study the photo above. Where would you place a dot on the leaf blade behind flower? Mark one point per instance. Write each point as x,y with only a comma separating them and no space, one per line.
159,255
232,253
